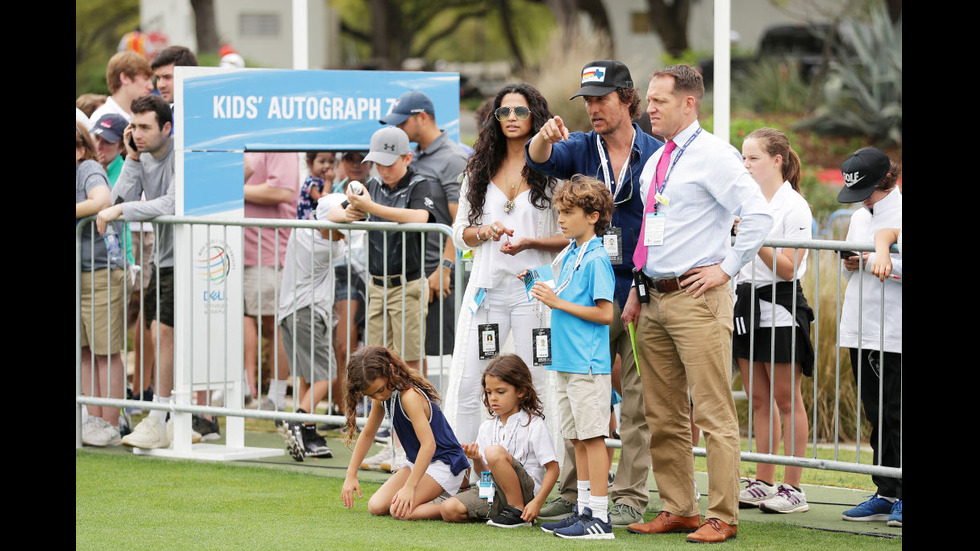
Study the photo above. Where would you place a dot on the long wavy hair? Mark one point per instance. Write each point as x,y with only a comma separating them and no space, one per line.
511,369
368,364
491,148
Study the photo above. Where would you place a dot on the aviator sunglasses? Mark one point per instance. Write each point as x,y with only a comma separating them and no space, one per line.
503,113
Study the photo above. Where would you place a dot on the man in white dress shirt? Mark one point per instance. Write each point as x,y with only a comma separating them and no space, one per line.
693,188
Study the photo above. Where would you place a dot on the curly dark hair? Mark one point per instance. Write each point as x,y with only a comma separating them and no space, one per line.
491,148
370,363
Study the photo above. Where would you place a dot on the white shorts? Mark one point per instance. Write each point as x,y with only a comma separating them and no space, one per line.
441,473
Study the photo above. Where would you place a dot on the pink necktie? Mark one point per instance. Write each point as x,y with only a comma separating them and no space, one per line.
640,253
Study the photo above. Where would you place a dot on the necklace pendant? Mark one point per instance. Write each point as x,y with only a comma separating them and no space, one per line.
509,206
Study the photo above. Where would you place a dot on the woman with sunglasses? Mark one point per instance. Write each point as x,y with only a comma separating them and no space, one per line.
506,218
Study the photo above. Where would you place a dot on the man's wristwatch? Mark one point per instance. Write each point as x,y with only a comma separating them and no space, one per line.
446,263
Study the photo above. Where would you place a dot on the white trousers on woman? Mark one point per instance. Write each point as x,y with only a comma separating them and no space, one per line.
507,306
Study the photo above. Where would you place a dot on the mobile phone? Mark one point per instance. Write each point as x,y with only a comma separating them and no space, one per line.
132,143
847,254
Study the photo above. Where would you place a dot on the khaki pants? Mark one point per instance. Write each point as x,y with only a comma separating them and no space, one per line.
385,320
684,343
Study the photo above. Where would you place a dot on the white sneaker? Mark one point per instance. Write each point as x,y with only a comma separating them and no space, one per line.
787,500
89,429
110,435
195,436
755,493
99,432
148,434
393,464
373,463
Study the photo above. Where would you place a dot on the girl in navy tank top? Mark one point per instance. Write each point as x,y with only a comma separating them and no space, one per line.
435,463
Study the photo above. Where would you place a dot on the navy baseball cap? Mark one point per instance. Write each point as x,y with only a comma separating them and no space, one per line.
603,76
862,171
110,126
408,104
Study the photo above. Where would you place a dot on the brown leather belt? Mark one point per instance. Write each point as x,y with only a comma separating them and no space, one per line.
666,285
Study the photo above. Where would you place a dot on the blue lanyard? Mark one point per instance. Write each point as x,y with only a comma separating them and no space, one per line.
672,164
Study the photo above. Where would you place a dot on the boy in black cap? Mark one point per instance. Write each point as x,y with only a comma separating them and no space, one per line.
871,323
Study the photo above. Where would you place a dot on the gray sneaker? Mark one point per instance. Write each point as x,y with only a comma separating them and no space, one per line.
556,509
621,514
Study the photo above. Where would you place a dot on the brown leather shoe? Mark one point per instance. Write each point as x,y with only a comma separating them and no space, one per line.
665,523
714,531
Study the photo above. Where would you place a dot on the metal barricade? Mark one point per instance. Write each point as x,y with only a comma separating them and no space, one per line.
206,404
824,262
822,284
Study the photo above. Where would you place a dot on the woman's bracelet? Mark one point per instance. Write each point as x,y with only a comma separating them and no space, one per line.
478,236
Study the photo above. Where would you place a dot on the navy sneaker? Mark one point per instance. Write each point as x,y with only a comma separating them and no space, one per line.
550,527
875,508
587,528
895,518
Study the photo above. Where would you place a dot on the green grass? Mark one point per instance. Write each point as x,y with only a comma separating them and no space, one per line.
125,501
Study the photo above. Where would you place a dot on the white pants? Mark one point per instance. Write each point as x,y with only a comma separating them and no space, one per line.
508,307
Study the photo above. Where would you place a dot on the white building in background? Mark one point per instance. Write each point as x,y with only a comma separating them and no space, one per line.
260,30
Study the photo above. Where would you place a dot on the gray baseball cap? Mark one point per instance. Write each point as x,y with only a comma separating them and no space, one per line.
387,145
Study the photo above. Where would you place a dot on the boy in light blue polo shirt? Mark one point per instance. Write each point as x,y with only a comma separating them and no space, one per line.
582,310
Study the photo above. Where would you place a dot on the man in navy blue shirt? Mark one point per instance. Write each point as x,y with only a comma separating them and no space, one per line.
614,152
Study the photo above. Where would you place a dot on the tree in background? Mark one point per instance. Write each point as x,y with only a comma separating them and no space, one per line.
205,26
99,24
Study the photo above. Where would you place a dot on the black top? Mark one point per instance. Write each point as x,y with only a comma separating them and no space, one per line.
412,192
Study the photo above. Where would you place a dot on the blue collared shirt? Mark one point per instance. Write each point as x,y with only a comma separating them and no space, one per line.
579,155
580,346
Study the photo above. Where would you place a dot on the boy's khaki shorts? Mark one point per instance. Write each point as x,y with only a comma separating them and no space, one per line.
583,405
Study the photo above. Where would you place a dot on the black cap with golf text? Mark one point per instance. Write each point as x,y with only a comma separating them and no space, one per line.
603,76
862,171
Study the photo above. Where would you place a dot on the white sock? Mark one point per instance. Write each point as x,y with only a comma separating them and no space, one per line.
600,507
160,415
584,493
277,391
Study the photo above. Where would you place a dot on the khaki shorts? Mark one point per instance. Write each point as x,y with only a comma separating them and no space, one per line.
388,322
477,507
583,405
102,311
270,279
